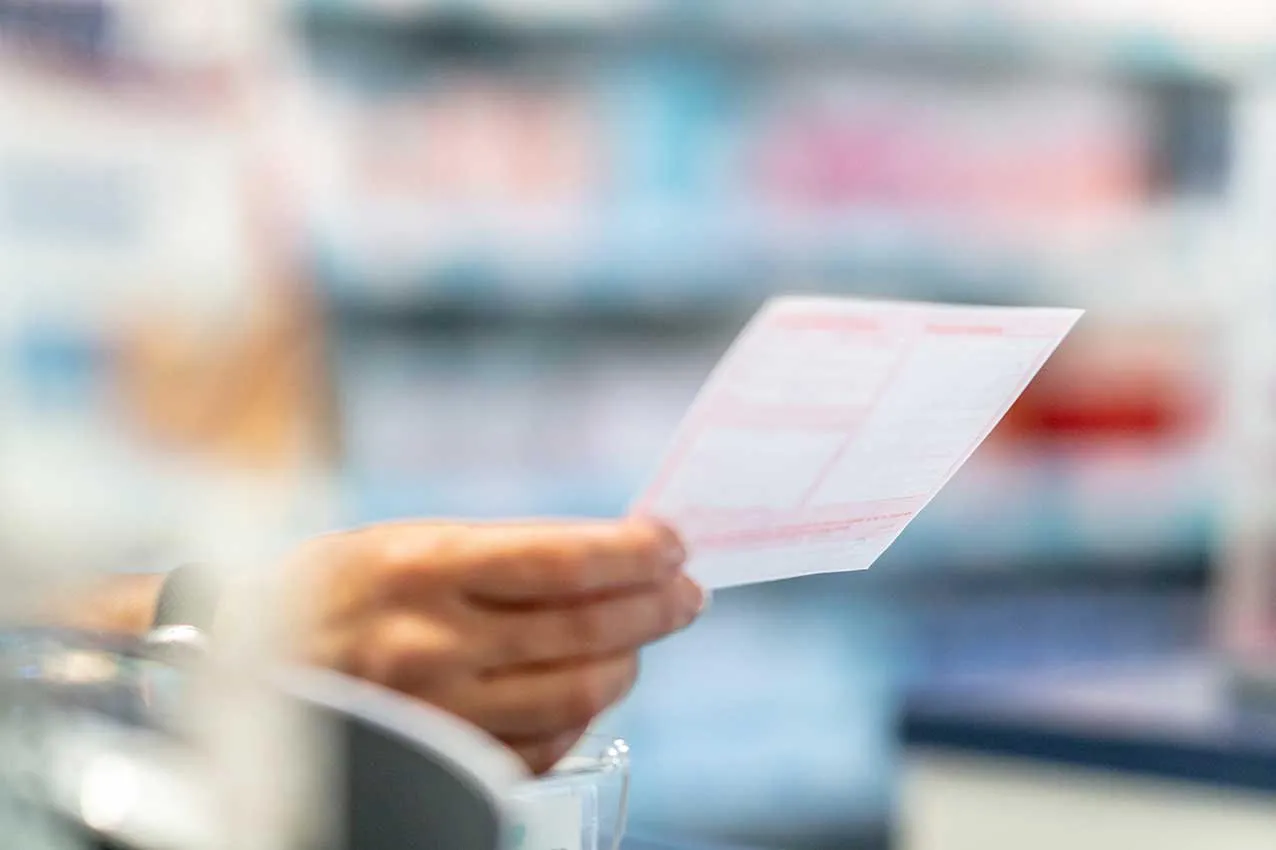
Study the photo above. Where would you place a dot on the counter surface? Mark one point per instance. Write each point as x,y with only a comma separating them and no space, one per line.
653,844
1178,720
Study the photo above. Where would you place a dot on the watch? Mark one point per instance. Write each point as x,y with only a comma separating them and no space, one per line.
183,614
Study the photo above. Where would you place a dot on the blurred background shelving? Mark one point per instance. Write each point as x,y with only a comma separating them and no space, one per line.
1128,37
560,179
534,227
538,225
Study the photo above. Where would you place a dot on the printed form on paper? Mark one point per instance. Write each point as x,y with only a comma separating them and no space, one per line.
831,422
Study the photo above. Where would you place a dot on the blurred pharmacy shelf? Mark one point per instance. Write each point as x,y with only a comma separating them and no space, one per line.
539,181
163,37
1035,520
1163,41
632,178
525,345
1169,262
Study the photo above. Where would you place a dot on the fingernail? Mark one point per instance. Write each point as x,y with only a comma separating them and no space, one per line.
706,599
674,553
697,599
672,550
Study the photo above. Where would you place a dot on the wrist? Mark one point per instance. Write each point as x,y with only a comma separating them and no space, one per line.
120,605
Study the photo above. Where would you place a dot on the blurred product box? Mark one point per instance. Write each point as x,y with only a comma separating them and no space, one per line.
1008,153
1236,22
567,426
1145,383
650,173
166,37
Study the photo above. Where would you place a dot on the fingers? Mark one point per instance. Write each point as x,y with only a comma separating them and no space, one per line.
520,564
608,626
403,652
528,631
541,704
511,564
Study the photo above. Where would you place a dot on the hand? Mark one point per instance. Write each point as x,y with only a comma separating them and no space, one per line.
529,631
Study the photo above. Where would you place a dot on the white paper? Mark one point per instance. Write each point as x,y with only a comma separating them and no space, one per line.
832,422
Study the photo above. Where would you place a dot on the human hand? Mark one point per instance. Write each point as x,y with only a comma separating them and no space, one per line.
529,631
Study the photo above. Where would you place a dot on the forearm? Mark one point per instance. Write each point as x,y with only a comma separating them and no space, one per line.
119,604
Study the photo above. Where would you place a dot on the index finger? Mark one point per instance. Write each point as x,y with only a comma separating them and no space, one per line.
530,563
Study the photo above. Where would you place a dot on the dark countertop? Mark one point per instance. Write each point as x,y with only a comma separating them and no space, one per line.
653,844
1178,720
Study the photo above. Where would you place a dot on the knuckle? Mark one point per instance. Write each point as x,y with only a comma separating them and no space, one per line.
404,559
387,556
409,651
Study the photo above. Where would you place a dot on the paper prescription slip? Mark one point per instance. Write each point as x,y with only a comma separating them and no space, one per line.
830,423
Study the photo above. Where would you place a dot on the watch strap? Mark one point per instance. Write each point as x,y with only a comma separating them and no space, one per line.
187,598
